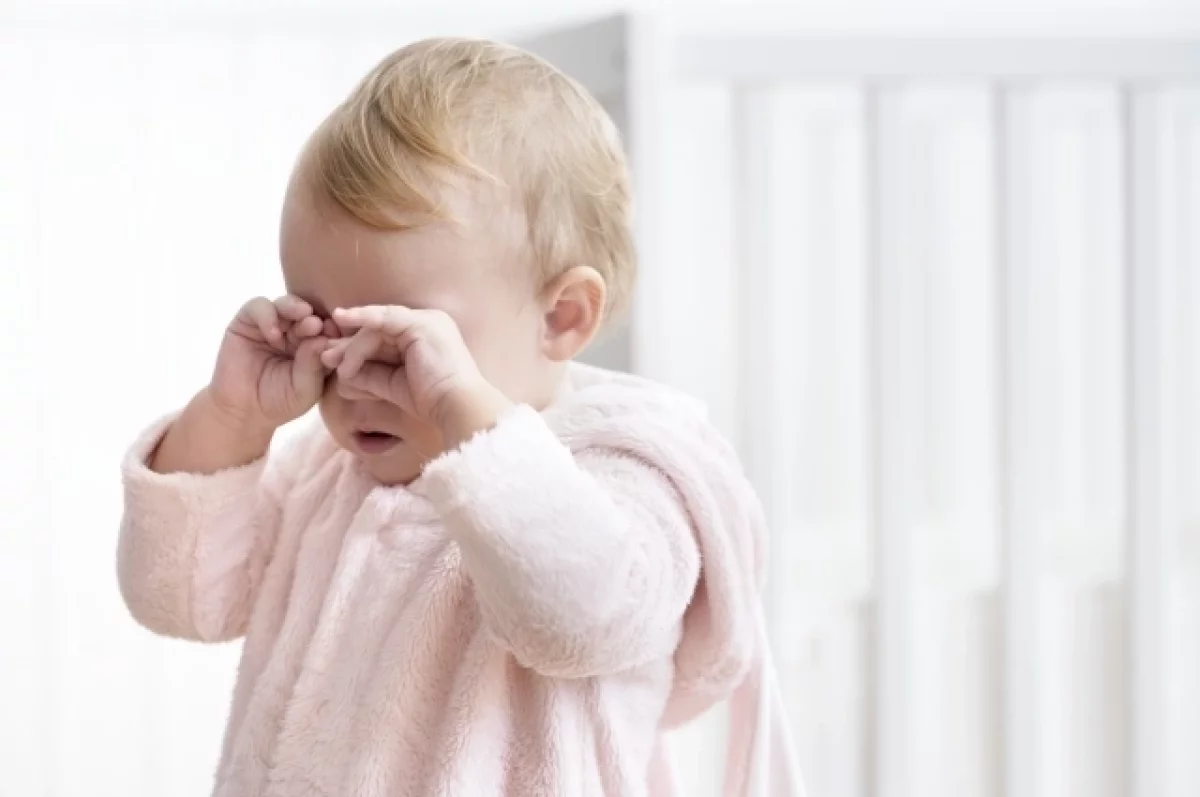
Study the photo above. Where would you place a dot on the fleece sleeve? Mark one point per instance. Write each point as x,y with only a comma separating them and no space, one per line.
192,547
583,564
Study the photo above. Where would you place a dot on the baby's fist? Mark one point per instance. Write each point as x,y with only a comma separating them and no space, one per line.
436,369
269,369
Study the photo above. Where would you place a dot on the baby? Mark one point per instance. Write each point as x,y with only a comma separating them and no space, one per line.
489,571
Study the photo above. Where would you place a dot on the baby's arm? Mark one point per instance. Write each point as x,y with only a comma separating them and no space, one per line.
198,525
583,565
205,439
201,512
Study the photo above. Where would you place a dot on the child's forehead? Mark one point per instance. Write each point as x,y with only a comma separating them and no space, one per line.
338,262
332,259
366,268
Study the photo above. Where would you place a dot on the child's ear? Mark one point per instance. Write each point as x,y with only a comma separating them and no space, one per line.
574,309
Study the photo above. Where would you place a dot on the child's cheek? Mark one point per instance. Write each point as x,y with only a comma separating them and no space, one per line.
333,408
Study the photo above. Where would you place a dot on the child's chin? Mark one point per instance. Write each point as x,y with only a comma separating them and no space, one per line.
400,467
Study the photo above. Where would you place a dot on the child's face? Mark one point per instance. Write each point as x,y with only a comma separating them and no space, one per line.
472,272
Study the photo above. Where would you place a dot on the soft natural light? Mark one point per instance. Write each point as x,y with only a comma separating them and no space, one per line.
949,313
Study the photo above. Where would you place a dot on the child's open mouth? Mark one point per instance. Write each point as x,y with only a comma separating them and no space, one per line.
372,442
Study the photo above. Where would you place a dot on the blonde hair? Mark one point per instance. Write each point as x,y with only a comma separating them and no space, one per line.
449,107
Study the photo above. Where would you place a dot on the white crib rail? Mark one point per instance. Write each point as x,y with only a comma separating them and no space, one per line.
1138,71
1152,513
1021,551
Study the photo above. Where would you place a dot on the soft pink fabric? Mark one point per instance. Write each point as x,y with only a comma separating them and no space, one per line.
525,619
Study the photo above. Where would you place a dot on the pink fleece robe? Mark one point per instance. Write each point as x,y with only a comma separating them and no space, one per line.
525,619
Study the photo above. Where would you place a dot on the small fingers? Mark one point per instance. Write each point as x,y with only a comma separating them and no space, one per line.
293,308
357,351
308,327
386,382
308,357
390,319
349,392
332,356
260,313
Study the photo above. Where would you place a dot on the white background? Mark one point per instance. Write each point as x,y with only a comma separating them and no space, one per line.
143,153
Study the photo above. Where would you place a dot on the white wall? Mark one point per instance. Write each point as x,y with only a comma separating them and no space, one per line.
517,17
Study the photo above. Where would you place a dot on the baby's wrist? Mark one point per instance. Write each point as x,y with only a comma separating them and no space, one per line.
205,439
249,426
467,412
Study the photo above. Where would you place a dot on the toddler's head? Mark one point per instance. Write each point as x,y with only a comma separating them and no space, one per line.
474,178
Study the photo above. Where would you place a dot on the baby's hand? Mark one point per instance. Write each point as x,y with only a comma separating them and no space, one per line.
269,369
436,370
